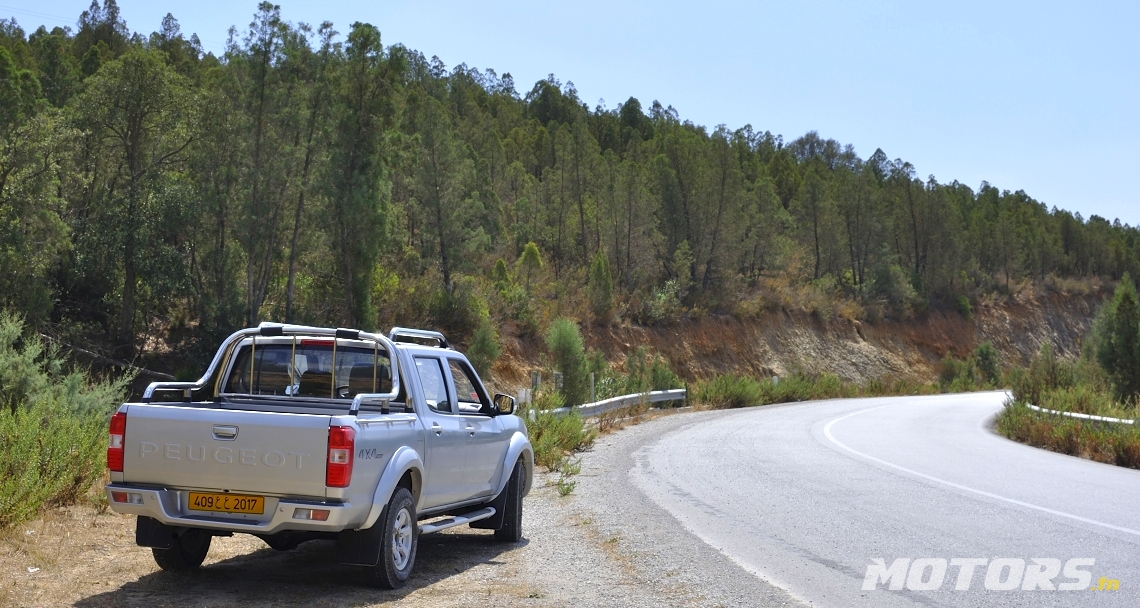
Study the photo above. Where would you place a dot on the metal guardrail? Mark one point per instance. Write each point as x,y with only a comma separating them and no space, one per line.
616,403
1079,415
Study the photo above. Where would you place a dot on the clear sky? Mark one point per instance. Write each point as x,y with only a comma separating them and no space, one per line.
1039,96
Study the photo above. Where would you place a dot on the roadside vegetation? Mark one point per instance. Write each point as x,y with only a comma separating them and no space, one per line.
1104,381
556,437
979,371
53,425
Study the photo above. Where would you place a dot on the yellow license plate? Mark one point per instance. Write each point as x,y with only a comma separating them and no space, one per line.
227,503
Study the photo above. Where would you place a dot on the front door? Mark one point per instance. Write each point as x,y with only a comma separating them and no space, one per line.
486,446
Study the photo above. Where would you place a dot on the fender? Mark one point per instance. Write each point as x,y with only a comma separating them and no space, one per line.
519,447
405,459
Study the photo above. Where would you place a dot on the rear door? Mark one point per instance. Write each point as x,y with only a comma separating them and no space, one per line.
445,476
224,450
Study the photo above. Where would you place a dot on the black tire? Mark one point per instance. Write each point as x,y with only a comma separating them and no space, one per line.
511,532
281,542
186,554
399,541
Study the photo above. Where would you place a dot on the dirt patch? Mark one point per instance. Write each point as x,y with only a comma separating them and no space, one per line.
78,557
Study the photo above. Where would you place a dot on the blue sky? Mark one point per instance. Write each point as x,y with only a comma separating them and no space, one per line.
1038,96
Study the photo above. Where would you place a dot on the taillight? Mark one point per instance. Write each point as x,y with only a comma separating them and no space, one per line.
115,445
338,468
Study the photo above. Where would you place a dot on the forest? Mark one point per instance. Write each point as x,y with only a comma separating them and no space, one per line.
155,197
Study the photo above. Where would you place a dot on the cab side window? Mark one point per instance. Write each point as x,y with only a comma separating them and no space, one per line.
470,399
435,390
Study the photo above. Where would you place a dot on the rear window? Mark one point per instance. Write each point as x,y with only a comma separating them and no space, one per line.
309,370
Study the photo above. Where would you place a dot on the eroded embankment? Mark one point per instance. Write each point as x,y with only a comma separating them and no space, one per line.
784,342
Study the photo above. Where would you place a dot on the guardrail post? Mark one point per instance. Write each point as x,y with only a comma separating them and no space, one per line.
592,397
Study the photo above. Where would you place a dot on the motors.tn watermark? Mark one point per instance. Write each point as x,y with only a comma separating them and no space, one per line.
998,574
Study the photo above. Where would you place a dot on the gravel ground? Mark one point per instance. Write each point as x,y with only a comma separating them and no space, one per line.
603,545
664,558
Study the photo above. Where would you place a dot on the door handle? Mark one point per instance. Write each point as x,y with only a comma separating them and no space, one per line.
470,430
225,433
438,429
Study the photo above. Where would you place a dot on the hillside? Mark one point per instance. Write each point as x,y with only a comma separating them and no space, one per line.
781,343
155,197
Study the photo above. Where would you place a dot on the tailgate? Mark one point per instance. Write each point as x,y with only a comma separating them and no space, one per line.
215,449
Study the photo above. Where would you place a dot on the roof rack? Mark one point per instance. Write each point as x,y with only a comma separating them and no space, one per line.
418,336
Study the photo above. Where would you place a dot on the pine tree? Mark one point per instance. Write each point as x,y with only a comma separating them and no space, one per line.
530,262
1118,340
601,288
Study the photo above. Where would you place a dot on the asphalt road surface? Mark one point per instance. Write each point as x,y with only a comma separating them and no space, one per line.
808,496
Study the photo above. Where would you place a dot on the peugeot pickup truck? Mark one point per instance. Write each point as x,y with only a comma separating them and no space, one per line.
301,433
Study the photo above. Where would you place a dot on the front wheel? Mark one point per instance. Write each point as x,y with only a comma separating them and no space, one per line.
398,545
511,532
186,553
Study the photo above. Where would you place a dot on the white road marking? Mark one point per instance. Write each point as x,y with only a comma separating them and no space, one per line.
832,439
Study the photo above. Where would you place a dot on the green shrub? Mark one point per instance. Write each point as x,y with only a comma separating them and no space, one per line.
648,371
729,391
953,368
52,428
739,391
962,304
987,362
484,349
554,436
894,285
520,308
663,306
796,387
661,376
568,353
460,311
1045,373
49,456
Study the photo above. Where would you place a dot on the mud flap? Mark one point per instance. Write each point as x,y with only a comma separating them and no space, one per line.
150,532
495,521
361,547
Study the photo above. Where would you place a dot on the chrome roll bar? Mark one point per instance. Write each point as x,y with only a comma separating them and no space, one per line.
277,329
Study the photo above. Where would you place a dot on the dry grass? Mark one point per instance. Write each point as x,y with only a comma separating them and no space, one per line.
616,420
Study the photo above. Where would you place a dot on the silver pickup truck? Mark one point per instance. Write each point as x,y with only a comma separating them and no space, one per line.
298,433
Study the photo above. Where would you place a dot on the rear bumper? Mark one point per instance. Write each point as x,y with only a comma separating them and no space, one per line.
169,507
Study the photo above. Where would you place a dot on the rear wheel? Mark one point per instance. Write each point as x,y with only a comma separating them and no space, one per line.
511,532
186,553
282,541
398,545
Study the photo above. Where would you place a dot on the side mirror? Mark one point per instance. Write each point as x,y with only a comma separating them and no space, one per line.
504,404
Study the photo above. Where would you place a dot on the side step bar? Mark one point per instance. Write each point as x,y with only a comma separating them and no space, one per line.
458,520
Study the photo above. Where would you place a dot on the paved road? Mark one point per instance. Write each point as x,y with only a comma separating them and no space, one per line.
806,496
